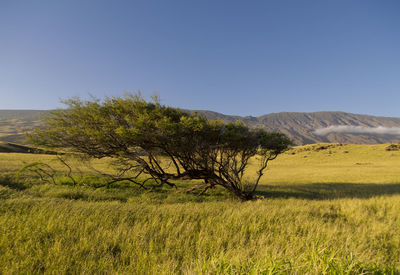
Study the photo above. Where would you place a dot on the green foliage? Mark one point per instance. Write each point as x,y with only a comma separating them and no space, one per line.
160,142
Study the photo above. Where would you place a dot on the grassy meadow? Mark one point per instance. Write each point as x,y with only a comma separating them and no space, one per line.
323,209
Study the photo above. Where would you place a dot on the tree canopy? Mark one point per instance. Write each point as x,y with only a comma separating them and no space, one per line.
148,140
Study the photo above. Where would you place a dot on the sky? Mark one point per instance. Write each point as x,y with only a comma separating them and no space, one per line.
234,57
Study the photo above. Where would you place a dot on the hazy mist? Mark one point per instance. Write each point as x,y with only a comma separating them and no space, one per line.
380,130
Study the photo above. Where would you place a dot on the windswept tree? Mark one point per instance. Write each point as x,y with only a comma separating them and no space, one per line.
147,141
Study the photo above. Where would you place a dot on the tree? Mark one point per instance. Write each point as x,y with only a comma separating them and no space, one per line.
150,141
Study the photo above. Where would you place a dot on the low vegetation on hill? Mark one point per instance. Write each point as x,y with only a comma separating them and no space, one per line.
8,147
321,209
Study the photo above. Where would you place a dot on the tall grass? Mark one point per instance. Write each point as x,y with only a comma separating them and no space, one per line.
304,225
276,235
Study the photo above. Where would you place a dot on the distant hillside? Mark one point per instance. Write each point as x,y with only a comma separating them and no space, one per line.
14,123
299,126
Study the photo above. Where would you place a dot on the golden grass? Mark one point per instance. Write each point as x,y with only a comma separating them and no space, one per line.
326,211
338,163
226,237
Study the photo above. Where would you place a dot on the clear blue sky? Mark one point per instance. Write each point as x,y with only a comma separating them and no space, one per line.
234,57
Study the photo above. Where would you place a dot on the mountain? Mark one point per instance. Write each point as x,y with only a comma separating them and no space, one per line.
299,127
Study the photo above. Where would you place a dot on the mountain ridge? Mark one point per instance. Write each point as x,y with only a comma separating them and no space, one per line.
299,126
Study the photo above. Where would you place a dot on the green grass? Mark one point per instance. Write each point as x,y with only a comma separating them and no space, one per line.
331,212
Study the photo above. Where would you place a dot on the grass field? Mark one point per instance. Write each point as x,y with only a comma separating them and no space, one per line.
324,209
